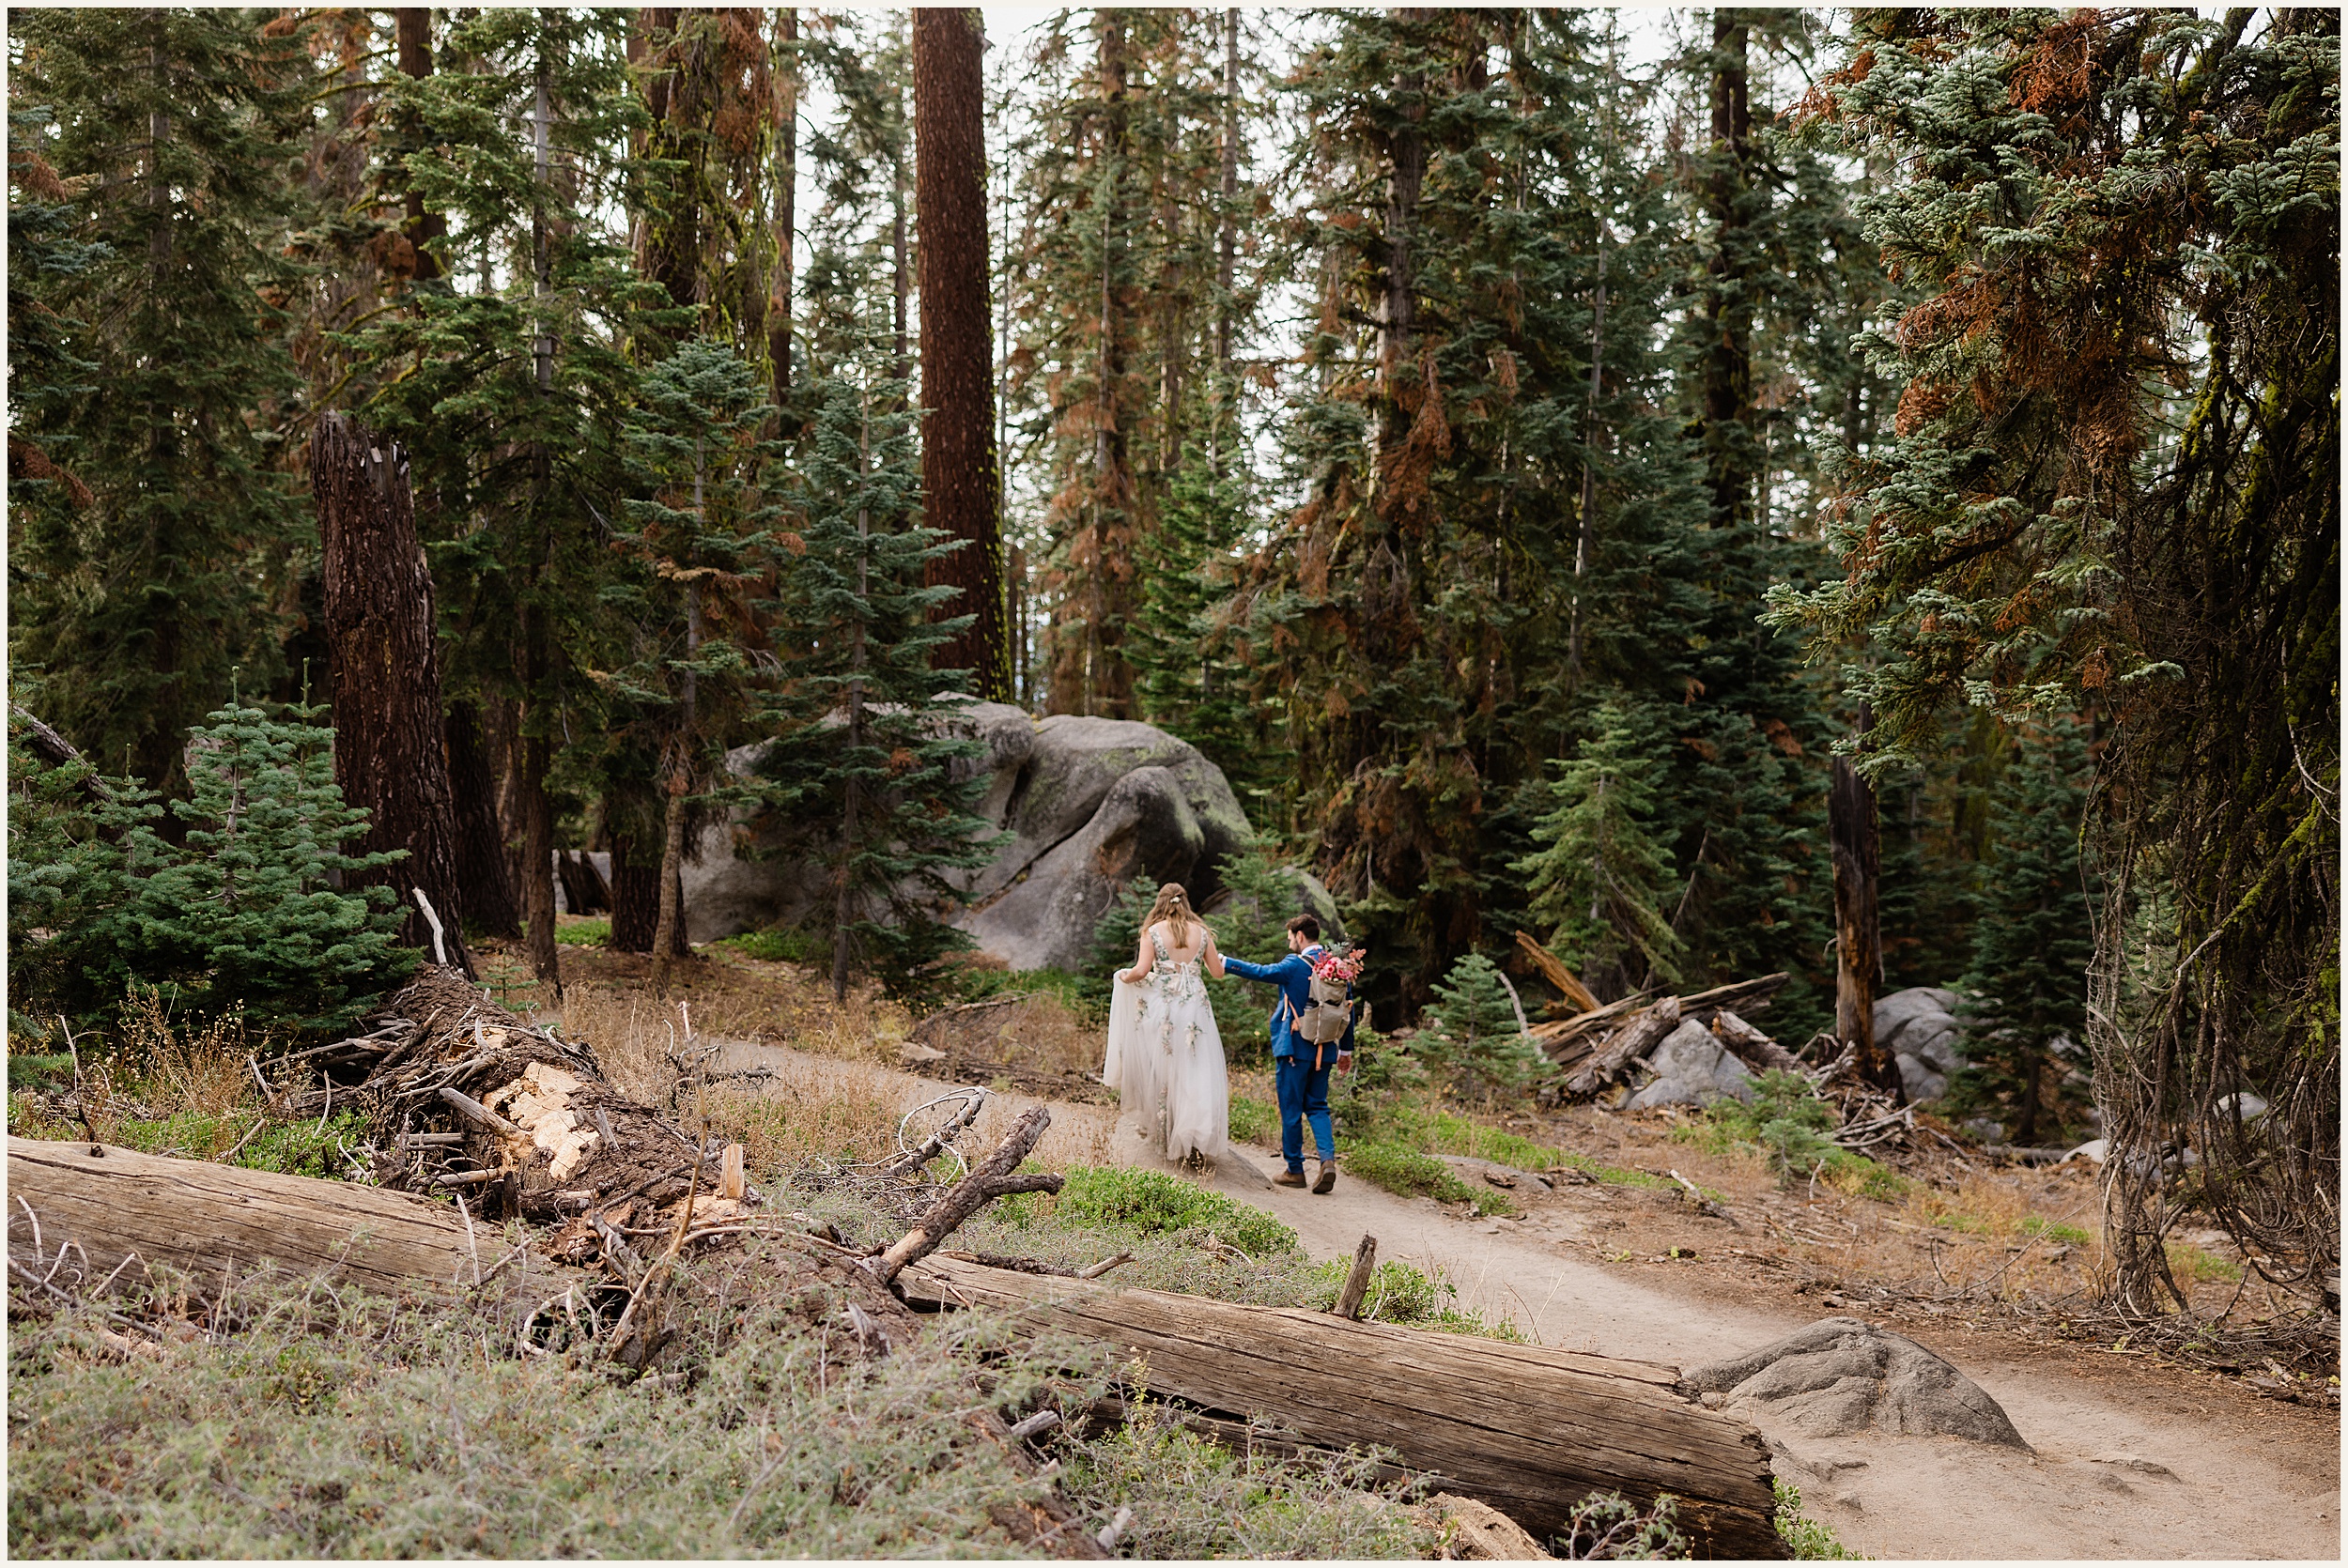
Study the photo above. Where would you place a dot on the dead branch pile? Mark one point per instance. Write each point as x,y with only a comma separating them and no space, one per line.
1593,1048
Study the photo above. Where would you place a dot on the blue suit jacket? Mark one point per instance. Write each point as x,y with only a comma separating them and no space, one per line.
1293,974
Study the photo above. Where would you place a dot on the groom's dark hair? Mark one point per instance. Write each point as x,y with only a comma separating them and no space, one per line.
1310,927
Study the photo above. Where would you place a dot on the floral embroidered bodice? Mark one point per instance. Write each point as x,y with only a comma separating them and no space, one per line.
1176,979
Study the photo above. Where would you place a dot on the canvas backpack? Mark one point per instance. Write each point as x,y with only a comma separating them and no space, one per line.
1327,1015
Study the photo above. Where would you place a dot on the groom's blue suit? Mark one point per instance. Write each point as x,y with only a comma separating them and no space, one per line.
1303,1088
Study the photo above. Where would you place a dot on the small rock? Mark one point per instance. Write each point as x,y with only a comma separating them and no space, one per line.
2133,1462
1500,1179
1849,1501
1832,1299
912,1056
1711,1399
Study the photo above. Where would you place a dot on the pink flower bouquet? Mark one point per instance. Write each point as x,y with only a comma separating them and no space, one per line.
1346,967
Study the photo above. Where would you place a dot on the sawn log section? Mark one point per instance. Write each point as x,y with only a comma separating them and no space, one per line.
1528,1430
201,1217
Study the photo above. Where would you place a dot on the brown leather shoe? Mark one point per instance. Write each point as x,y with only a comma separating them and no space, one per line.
1326,1177
1288,1179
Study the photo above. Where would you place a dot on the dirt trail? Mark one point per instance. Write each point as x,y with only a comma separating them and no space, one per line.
2216,1476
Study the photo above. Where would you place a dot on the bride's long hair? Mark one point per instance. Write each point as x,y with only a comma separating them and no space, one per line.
1173,906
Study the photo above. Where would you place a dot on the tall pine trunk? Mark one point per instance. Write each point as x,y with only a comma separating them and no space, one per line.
779,304
414,29
482,868
960,482
1226,214
384,673
1728,361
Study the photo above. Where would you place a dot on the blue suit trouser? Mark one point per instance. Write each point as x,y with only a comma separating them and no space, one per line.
1303,1091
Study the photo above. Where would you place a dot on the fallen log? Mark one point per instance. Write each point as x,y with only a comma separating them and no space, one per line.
1750,995
1634,1039
204,1218
1566,1040
1530,1431
1752,1047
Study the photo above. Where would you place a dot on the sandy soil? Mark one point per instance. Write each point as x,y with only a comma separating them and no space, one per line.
2130,1461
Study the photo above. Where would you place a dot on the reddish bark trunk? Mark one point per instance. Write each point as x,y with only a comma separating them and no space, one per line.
959,478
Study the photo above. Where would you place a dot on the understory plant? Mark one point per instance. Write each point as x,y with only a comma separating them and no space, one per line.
243,913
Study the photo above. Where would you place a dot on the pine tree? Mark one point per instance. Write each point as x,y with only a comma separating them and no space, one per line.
243,915
506,371
1601,885
703,536
2114,479
1471,1042
1117,263
864,754
166,130
2026,1009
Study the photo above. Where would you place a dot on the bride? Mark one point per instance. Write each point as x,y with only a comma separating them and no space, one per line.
1164,1056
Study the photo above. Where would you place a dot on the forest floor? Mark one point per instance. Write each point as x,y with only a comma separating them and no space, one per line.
2135,1455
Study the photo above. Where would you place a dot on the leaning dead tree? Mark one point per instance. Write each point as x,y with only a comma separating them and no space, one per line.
384,671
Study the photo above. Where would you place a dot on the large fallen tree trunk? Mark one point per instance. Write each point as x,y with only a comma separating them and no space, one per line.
204,1218
1528,1430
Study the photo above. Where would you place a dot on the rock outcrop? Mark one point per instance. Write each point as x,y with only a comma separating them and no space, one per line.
1088,805
1692,1067
1920,1027
1841,1375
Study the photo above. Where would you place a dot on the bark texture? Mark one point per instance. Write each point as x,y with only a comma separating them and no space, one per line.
959,478
383,672
1858,941
421,227
201,1217
1529,1430
484,869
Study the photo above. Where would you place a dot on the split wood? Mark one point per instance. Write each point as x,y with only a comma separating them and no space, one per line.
1357,1278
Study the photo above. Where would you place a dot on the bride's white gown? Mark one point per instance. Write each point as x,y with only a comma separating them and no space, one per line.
1165,1061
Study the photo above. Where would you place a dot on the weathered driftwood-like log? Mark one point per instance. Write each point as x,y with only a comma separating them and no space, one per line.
990,1178
1357,1278
1750,995
203,1218
1566,1042
1752,1047
1528,1430
1634,1039
1576,995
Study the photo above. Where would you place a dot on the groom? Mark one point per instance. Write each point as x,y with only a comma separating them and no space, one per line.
1304,1088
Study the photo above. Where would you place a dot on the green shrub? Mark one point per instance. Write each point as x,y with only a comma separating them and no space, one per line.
35,1072
1786,1120
325,1425
242,915
973,984
1608,1526
1406,1297
1806,1540
1255,1121
1151,1202
583,933
2040,1226
783,944
1194,1499
1408,1172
